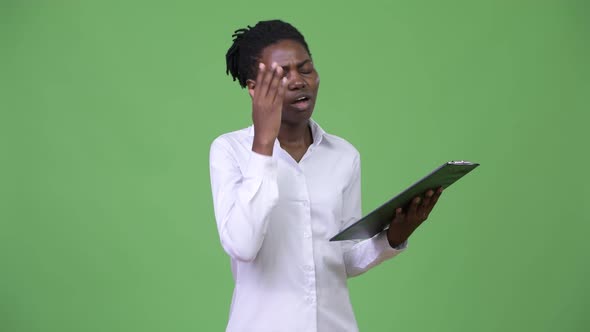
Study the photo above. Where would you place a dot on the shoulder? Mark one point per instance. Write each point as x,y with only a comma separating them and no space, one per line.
333,142
341,145
231,139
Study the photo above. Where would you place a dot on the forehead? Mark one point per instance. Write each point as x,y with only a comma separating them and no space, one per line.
284,52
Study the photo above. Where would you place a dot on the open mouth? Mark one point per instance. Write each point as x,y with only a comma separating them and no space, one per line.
301,103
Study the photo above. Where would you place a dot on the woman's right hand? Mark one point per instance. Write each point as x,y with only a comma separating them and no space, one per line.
267,105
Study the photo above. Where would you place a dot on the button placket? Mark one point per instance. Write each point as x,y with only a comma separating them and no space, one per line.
308,267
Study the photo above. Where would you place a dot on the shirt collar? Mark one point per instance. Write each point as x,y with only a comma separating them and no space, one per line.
317,133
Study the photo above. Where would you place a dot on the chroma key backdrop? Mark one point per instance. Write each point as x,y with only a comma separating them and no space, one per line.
108,108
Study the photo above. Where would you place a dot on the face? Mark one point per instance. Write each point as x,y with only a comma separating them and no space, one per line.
303,80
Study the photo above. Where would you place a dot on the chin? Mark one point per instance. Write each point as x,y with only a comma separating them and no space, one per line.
296,116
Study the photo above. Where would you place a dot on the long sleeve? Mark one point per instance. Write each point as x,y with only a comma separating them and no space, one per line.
360,256
243,197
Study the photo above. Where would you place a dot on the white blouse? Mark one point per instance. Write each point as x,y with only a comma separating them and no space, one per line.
275,217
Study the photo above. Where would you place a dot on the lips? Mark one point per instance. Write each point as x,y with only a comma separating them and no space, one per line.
301,101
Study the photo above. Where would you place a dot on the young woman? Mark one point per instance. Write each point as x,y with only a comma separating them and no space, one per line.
283,187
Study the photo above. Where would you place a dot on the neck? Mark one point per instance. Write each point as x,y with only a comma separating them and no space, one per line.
295,134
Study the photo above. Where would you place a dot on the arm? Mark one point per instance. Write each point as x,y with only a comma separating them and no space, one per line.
242,200
360,256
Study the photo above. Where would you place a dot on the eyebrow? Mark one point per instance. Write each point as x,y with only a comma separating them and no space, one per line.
299,65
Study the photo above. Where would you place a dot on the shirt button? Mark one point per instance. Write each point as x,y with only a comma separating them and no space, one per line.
307,268
306,235
305,203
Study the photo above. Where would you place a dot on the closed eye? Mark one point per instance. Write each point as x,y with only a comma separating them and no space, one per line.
304,67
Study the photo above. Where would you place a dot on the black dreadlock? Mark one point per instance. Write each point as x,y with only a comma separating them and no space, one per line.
244,54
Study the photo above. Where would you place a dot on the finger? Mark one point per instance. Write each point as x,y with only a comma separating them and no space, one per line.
414,207
275,83
425,206
437,195
281,93
266,79
259,75
398,216
434,199
427,198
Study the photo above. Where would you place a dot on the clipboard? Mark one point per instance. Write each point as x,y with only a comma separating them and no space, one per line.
380,218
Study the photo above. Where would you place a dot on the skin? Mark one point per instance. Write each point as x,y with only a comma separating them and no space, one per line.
274,115
404,223
285,72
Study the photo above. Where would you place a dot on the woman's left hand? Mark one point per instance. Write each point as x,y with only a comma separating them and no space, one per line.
404,223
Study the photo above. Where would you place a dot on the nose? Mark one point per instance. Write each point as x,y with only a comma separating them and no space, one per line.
296,82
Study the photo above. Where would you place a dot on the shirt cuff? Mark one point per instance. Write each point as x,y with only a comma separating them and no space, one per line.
382,243
260,165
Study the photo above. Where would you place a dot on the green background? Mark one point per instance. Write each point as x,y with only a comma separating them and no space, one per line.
108,109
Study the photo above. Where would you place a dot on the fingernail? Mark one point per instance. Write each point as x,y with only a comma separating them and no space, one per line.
274,65
261,65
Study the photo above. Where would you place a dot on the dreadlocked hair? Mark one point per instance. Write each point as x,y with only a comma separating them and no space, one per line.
244,54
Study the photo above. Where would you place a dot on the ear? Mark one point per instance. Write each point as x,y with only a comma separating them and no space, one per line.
251,84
